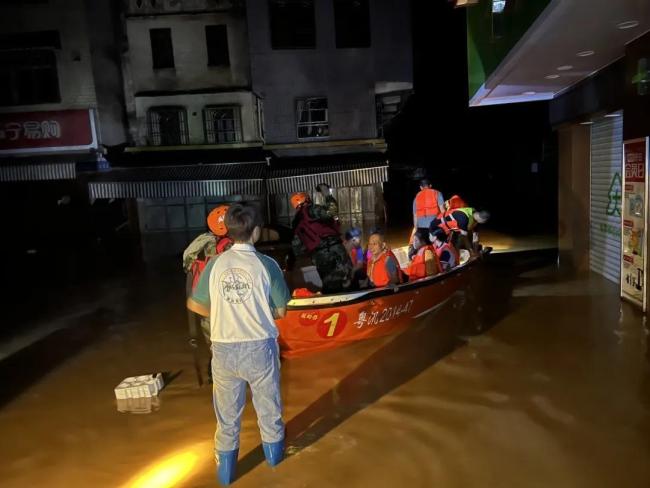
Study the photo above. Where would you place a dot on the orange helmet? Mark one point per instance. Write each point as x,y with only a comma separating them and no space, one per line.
216,220
298,199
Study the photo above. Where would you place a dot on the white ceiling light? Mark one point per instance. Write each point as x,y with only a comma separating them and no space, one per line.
584,54
529,93
552,77
588,122
613,115
565,67
628,24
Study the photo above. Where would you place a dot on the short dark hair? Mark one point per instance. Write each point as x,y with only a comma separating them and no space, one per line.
423,236
241,221
425,182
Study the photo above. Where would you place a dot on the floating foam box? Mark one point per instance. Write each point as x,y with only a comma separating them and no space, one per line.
139,386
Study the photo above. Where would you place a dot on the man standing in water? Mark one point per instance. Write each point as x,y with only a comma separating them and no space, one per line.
242,291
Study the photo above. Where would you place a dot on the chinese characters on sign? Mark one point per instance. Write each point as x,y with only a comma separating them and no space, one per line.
377,317
61,130
32,129
634,222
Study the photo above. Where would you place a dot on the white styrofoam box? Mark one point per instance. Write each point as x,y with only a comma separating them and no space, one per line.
139,386
311,277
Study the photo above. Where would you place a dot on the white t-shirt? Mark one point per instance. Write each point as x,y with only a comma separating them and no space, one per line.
241,287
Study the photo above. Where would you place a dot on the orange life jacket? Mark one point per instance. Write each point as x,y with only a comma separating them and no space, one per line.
426,203
376,269
452,250
418,268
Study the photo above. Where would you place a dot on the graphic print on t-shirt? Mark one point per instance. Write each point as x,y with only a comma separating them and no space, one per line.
235,285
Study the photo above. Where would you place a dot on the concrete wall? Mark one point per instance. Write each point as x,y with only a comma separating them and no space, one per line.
68,17
191,71
88,63
194,104
104,30
347,77
574,197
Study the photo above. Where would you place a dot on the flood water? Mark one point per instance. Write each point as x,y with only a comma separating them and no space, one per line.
533,378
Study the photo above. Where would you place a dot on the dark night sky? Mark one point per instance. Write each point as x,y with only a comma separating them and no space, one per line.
485,153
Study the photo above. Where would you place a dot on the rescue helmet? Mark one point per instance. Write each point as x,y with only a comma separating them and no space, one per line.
217,220
299,198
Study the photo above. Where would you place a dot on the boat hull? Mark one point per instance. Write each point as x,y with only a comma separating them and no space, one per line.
328,322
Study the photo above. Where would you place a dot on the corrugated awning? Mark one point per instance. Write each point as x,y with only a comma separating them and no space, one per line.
38,172
180,181
337,175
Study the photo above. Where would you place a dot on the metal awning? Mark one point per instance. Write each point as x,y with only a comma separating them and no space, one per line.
337,175
38,172
180,181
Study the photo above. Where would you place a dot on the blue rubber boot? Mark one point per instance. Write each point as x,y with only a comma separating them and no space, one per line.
227,462
274,452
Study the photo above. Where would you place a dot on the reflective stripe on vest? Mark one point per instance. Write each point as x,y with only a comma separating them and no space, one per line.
426,203
418,267
376,269
452,251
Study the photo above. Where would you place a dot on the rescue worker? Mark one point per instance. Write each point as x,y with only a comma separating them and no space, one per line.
460,224
383,267
357,256
316,234
455,202
202,249
425,260
447,254
428,204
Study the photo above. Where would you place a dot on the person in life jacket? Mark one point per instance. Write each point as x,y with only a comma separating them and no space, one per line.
460,224
425,260
428,204
447,254
316,234
454,203
202,249
383,267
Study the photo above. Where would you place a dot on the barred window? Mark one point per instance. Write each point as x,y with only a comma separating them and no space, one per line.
168,126
222,125
28,77
313,118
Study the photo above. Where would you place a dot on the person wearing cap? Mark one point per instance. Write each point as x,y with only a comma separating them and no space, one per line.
317,234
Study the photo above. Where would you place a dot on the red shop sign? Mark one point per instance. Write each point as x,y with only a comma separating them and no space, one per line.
61,130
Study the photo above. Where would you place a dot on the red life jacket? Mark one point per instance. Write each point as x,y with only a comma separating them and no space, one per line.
418,268
426,203
223,244
356,255
312,231
452,250
376,269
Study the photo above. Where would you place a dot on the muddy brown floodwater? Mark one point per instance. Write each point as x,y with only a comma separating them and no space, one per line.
531,379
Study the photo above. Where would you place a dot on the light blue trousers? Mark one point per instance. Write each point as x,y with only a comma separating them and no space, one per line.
233,366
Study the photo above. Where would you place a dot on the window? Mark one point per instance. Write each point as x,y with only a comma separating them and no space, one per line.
222,125
28,77
168,126
216,39
352,20
292,24
313,118
388,106
162,52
